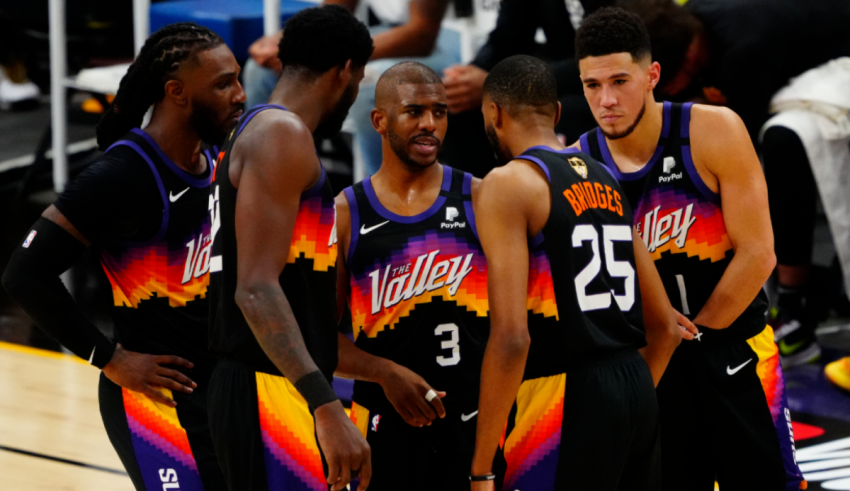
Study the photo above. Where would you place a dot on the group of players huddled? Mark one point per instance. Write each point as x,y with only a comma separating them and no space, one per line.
521,332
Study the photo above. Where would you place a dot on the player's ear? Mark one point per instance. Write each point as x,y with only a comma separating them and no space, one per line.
176,91
654,74
346,73
498,115
379,121
557,113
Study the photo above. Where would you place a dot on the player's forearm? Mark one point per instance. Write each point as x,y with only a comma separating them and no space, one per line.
659,349
501,376
268,313
32,280
739,285
405,41
356,364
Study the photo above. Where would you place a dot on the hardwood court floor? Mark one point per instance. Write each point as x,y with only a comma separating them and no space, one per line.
51,434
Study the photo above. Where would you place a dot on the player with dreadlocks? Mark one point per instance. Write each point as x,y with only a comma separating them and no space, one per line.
144,205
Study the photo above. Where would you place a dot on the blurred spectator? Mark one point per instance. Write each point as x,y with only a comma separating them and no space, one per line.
407,29
541,28
806,150
738,53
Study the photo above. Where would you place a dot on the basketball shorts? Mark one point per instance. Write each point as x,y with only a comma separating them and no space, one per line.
161,447
419,459
594,428
263,432
725,417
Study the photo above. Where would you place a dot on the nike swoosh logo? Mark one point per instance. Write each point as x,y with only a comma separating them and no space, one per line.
467,417
174,197
364,230
733,371
786,349
91,358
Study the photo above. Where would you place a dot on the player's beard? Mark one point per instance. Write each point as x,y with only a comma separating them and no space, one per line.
627,131
503,155
400,147
207,123
330,125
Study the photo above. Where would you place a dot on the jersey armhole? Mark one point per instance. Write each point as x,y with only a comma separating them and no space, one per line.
354,222
539,163
160,186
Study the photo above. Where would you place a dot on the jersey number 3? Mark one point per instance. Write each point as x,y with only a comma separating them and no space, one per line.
616,269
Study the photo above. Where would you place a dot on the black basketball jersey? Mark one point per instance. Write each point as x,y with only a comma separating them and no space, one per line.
308,280
680,219
159,285
583,294
418,289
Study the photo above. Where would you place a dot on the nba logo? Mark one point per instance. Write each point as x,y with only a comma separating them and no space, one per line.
29,239
669,163
375,420
451,213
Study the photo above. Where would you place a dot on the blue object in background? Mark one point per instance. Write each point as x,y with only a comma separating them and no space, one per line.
239,23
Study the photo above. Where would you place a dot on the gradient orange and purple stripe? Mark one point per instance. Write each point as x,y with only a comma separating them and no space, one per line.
149,271
160,442
769,371
471,294
541,291
291,453
533,444
311,238
707,238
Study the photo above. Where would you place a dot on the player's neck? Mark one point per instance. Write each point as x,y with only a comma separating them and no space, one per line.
407,190
300,98
632,152
525,134
177,139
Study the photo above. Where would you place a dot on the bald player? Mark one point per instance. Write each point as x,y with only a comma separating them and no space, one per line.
414,274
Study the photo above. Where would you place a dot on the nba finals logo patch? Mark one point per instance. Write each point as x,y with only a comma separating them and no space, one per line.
30,237
579,166
375,421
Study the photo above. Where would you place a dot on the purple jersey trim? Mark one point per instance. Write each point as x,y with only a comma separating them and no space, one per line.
260,108
632,176
467,204
539,162
316,189
355,222
385,213
182,174
685,130
165,203
535,242
550,149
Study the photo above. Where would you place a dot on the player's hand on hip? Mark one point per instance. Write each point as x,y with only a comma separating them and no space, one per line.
687,328
347,452
464,87
483,485
144,373
409,395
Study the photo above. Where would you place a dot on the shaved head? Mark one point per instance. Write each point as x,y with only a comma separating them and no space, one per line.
404,73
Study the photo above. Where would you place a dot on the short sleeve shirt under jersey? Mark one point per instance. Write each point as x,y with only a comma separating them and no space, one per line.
150,223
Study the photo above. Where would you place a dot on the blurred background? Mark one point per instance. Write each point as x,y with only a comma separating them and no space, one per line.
782,65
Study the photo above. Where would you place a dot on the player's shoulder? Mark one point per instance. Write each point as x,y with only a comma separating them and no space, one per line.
275,131
120,164
519,177
714,121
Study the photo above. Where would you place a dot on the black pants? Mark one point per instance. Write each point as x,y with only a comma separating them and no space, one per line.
263,432
594,428
724,417
792,195
436,457
160,445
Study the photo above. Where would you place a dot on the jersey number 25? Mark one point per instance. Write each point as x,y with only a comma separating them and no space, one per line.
616,269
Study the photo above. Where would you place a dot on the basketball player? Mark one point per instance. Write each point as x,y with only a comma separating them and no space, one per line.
273,315
565,282
692,176
143,204
415,278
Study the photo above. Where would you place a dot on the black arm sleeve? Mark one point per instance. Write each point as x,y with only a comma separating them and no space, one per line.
32,280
